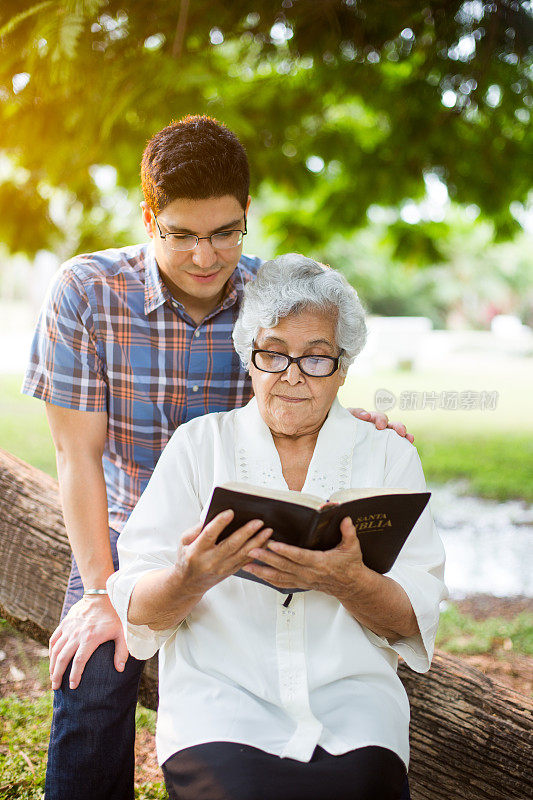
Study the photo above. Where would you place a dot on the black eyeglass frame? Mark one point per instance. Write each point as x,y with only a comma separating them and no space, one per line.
297,360
199,238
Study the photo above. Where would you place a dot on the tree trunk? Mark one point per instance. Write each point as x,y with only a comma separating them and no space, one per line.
470,737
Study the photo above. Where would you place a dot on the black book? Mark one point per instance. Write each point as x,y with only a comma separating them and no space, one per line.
383,518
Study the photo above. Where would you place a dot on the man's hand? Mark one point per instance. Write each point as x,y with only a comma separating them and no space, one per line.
89,623
381,421
335,572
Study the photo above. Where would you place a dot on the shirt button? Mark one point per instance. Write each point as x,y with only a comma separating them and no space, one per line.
197,334
195,388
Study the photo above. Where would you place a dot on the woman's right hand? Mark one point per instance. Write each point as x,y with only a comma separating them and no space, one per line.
201,563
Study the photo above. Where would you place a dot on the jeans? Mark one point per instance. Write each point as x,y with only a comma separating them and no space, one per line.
91,752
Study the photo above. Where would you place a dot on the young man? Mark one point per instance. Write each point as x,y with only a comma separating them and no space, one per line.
130,344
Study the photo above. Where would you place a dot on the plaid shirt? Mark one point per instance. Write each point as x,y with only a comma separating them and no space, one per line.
110,337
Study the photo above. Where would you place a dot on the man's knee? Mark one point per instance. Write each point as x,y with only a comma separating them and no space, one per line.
101,681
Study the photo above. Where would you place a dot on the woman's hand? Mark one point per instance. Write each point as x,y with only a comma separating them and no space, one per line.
201,563
335,572
163,598
374,600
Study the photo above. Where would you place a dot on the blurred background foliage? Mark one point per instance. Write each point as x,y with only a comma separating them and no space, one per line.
383,137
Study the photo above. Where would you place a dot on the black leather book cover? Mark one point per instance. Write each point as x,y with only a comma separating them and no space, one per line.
383,522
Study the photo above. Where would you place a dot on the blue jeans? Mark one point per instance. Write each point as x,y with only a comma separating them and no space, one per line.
91,752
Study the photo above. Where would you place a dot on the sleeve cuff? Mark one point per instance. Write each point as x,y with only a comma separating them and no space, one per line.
425,591
142,641
45,393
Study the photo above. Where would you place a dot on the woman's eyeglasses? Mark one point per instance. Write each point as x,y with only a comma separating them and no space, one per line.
313,366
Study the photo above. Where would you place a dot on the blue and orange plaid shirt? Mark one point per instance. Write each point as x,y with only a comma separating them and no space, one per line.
110,337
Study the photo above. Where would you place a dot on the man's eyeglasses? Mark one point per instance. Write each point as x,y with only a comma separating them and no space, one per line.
221,240
313,366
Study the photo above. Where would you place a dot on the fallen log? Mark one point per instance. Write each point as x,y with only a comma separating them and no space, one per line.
470,737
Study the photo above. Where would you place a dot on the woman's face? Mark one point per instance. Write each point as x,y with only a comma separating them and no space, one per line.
290,402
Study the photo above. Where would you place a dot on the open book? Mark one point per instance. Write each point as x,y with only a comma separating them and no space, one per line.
383,518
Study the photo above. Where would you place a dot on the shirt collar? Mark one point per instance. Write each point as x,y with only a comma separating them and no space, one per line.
156,293
232,293
257,460
234,288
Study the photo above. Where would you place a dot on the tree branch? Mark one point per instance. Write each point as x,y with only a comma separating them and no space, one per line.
179,37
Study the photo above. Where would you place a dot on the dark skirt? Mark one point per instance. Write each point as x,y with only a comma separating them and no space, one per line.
231,771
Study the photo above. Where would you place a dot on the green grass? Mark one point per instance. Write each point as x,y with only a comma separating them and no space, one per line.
145,718
23,426
491,449
512,380
151,791
24,740
461,634
496,466
24,731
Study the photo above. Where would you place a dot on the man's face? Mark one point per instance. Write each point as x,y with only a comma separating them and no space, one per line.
196,277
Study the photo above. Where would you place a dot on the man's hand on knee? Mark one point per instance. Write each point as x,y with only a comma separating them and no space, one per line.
89,623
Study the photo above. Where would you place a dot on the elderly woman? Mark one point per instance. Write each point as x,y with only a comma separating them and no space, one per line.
265,695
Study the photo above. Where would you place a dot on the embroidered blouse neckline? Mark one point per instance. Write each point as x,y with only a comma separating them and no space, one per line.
258,462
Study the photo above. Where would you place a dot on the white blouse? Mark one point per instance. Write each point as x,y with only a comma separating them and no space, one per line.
244,668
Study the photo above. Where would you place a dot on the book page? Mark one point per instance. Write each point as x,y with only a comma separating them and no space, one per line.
356,494
288,495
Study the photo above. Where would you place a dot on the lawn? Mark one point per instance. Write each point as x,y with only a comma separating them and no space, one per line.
23,426
24,743
491,449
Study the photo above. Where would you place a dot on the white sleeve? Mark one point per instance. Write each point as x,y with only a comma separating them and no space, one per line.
419,568
168,506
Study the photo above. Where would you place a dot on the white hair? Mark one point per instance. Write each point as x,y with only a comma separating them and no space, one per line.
288,285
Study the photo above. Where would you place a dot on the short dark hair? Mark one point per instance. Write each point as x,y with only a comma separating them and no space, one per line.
195,158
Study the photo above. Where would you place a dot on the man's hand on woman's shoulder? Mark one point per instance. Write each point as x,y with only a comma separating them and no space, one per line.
381,421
